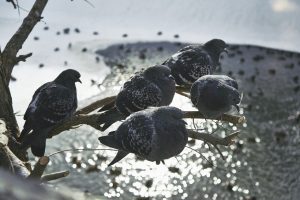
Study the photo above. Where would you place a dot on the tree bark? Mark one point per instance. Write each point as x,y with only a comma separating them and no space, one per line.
8,59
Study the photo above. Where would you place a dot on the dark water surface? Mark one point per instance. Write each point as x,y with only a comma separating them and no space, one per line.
263,164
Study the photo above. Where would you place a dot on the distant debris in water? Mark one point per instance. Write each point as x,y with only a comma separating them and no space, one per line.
258,58
121,47
36,38
297,89
242,60
296,79
66,31
239,52
58,33
272,71
84,49
77,30
125,35
142,56
159,33
176,36
46,28
12,78
289,66
231,55
65,63
93,82
69,45
160,48
41,65
97,59
241,72
56,49
95,33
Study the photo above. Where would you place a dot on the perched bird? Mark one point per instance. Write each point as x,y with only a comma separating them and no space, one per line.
194,61
154,134
154,86
215,95
51,104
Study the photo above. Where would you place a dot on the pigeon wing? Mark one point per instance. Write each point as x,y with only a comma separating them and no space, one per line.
138,94
53,105
136,135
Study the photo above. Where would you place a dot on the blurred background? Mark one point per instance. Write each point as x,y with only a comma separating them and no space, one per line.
107,40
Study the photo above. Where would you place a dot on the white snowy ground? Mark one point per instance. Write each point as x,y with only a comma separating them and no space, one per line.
272,23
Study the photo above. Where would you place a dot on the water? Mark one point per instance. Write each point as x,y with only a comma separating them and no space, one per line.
263,164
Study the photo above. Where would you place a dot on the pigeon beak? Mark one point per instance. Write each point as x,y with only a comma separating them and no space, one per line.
78,80
237,108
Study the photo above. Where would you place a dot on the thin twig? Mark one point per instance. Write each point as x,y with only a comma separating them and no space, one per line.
39,168
96,105
57,152
227,141
17,40
225,117
54,176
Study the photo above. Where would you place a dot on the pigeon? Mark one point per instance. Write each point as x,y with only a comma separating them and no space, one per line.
52,103
215,95
152,87
154,134
194,61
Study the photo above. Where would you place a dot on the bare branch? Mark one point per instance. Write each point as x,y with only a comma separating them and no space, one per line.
209,138
39,168
54,176
96,105
13,3
23,57
16,42
91,120
225,117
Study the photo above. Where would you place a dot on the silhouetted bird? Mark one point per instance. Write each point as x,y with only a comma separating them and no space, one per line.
194,61
215,95
154,86
51,104
154,134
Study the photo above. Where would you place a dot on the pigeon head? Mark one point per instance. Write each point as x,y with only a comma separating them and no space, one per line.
160,75
68,77
215,47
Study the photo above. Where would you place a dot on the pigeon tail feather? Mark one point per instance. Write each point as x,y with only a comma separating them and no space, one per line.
120,155
38,148
110,141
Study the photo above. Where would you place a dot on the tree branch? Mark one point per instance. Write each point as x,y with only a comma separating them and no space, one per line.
225,117
39,168
13,3
54,176
96,105
209,138
16,42
23,57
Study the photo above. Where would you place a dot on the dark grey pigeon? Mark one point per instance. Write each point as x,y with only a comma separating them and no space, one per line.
215,95
154,134
51,104
194,61
152,87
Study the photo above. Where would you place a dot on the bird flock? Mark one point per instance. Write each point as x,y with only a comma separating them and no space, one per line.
152,129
